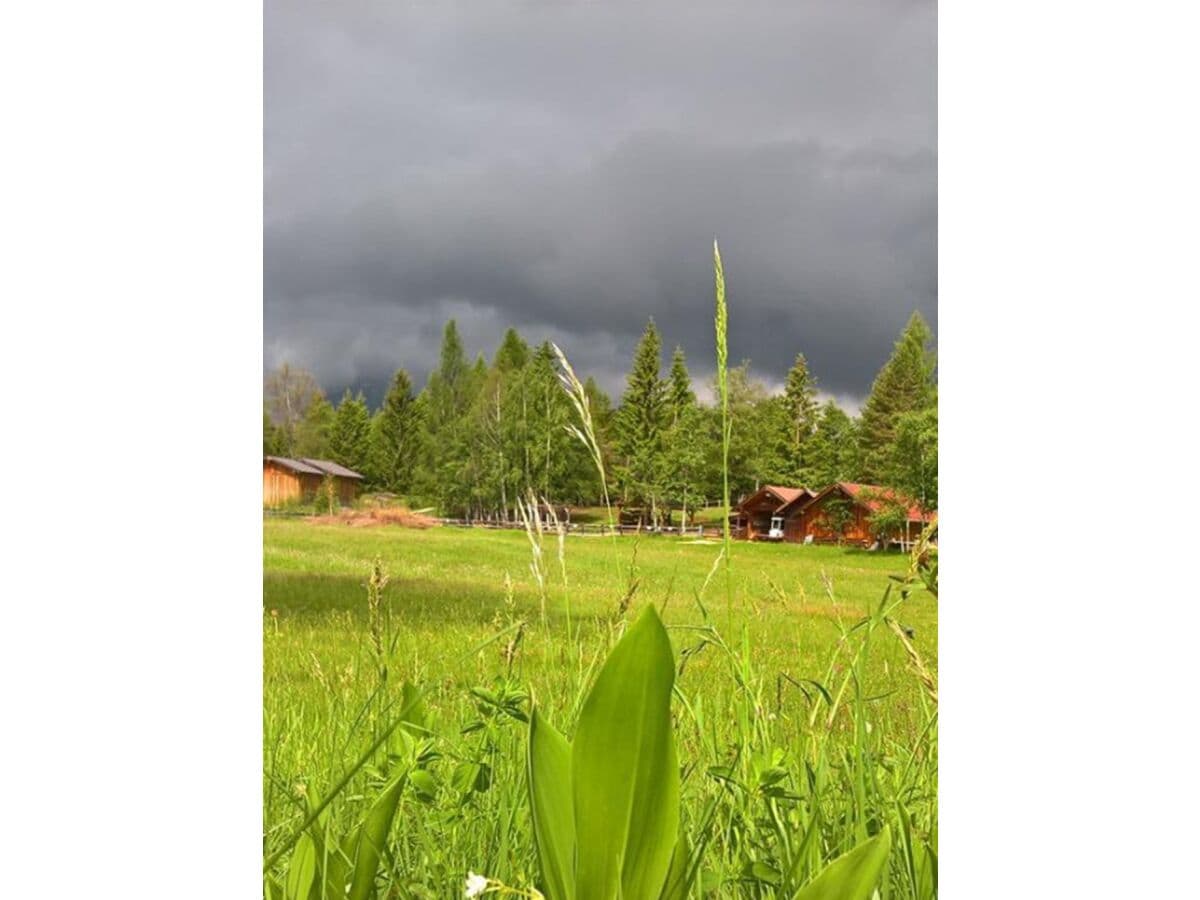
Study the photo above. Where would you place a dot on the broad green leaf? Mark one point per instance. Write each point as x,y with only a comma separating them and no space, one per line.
927,875
415,713
424,785
371,840
624,772
853,875
302,869
553,808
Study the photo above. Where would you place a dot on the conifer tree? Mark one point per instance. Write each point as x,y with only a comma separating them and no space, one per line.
449,382
512,354
396,439
349,439
451,393
800,408
683,452
641,421
905,384
679,393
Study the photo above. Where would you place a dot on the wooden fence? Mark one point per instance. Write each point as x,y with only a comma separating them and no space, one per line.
588,528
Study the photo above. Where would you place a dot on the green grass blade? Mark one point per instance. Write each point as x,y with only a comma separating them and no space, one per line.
853,875
624,770
553,807
678,882
302,869
411,704
371,840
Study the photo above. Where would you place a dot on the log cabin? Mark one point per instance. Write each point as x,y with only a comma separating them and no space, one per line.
813,516
288,480
757,518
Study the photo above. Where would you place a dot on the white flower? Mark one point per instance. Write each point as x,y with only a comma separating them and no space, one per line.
476,885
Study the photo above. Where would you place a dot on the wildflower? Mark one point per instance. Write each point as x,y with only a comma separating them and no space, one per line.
476,885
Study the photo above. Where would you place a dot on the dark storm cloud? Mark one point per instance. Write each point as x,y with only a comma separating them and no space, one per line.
565,171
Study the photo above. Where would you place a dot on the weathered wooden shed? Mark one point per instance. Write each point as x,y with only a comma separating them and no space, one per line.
287,480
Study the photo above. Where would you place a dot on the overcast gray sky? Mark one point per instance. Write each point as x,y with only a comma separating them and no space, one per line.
564,171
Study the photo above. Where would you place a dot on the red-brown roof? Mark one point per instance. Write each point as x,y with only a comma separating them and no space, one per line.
785,495
873,496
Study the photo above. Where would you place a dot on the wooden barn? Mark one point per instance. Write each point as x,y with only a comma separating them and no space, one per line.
298,480
758,517
816,517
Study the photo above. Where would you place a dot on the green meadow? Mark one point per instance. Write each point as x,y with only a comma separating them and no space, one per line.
804,705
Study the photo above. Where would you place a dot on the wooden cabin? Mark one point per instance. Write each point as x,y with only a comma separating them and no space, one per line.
757,518
298,480
812,516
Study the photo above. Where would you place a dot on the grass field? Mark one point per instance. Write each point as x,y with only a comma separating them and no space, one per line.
799,734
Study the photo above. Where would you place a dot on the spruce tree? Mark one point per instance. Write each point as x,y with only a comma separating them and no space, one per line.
679,392
905,384
448,383
349,439
800,407
512,354
396,440
683,451
641,421
451,394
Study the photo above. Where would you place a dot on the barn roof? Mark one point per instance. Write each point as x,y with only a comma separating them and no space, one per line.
873,496
295,465
324,466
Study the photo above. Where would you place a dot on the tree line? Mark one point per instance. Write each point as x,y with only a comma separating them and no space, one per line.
479,436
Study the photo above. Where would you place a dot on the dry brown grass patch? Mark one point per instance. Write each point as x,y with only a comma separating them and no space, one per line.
368,518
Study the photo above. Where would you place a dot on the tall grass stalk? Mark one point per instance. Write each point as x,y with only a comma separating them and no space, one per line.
585,431
532,520
721,328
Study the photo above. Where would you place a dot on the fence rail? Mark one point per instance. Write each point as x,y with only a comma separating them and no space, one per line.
569,527
586,527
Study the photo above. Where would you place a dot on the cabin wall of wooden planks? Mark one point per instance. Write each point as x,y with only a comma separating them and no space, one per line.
282,486
811,520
